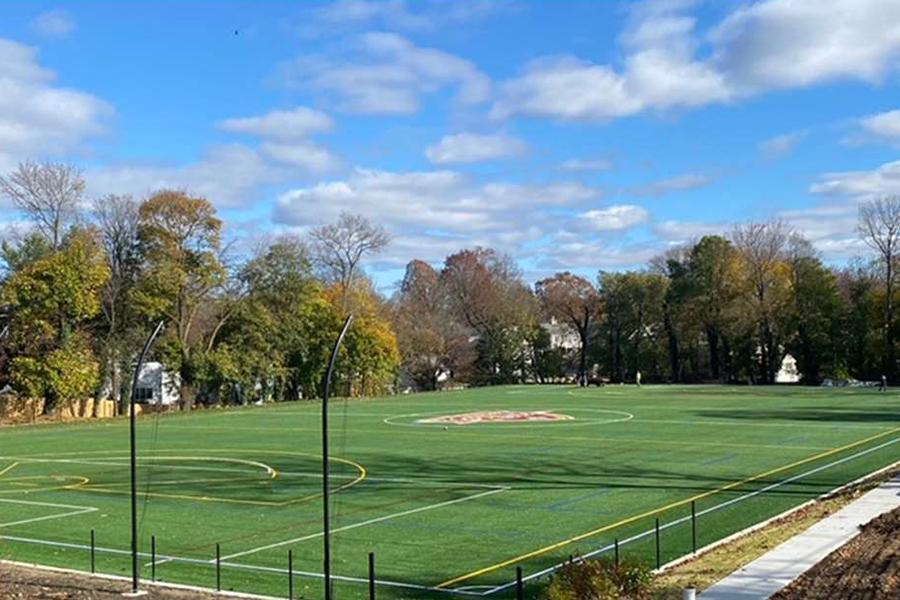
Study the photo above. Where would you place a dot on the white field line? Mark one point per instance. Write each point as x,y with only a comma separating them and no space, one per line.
239,566
112,461
396,515
71,512
711,509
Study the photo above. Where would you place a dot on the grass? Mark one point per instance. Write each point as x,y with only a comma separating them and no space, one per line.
459,508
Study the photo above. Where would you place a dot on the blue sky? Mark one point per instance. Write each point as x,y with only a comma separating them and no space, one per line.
572,135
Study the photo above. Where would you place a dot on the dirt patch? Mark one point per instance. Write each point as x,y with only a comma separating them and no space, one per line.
866,568
20,583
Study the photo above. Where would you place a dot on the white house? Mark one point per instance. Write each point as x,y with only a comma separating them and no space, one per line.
155,385
788,372
562,335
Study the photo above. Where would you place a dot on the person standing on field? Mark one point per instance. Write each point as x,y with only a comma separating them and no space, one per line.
637,378
883,386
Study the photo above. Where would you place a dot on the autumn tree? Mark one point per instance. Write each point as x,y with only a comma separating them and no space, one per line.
340,247
48,194
574,301
51,301
815,313
879,226
486,294
432,342
181,273
118,221
762,248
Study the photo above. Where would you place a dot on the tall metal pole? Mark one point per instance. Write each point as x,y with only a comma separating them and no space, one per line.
326,533
135,568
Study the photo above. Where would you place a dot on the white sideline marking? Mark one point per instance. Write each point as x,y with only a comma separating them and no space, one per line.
368,522
74,510
711,509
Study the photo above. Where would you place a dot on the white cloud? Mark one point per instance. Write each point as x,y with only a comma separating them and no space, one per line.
780,145
472,147
884,126
435,207
38,119
309,157
587,165
388,74
831,228
228,176
292,124
882,181
688,181
53,23
684,231
614,218
668,65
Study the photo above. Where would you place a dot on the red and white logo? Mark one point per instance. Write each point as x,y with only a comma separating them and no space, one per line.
497,416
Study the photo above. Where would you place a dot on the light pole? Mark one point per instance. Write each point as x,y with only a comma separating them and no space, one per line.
135,568
326,534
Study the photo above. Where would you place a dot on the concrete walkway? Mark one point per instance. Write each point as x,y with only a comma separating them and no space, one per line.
781,565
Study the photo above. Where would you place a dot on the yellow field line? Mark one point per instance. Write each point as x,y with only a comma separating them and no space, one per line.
655,511
8,469
362,474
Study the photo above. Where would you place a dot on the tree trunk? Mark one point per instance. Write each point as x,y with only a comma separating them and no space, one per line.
674,358
712,339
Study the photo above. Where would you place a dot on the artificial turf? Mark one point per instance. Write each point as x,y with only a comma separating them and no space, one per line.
454,507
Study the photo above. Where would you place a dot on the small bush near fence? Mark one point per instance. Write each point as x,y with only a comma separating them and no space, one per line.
601,579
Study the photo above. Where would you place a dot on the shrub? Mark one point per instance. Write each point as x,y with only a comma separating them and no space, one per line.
601,579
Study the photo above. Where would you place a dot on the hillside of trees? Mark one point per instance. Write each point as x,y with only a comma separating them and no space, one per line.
87,279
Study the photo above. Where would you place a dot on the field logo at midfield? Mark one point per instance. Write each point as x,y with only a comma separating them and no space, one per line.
497,416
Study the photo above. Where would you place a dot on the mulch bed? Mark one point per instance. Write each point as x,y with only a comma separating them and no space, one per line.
21,583
866,568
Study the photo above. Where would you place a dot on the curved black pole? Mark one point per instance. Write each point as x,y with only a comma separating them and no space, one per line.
326,533
135,568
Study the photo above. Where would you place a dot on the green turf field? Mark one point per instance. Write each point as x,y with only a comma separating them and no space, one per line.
444,510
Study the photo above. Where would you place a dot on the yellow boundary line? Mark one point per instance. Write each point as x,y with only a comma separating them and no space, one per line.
655,511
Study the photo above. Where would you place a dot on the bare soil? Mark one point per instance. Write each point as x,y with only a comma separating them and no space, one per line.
20,583
866,568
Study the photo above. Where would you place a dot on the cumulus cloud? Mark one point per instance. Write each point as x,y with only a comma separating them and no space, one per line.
37,118
667,64
472,147
53,23
229,176
883,126
687,181
882,181
780,145
292,124
586,165
437,206
387,74
685,231
614,218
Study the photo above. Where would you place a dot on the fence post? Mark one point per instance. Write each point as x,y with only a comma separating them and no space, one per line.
693,528
152,558
657,544
520,590
617,551
218,568
290,575
371,576
93,549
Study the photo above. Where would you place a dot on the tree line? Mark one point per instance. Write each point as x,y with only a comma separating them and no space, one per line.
86,281
725,308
